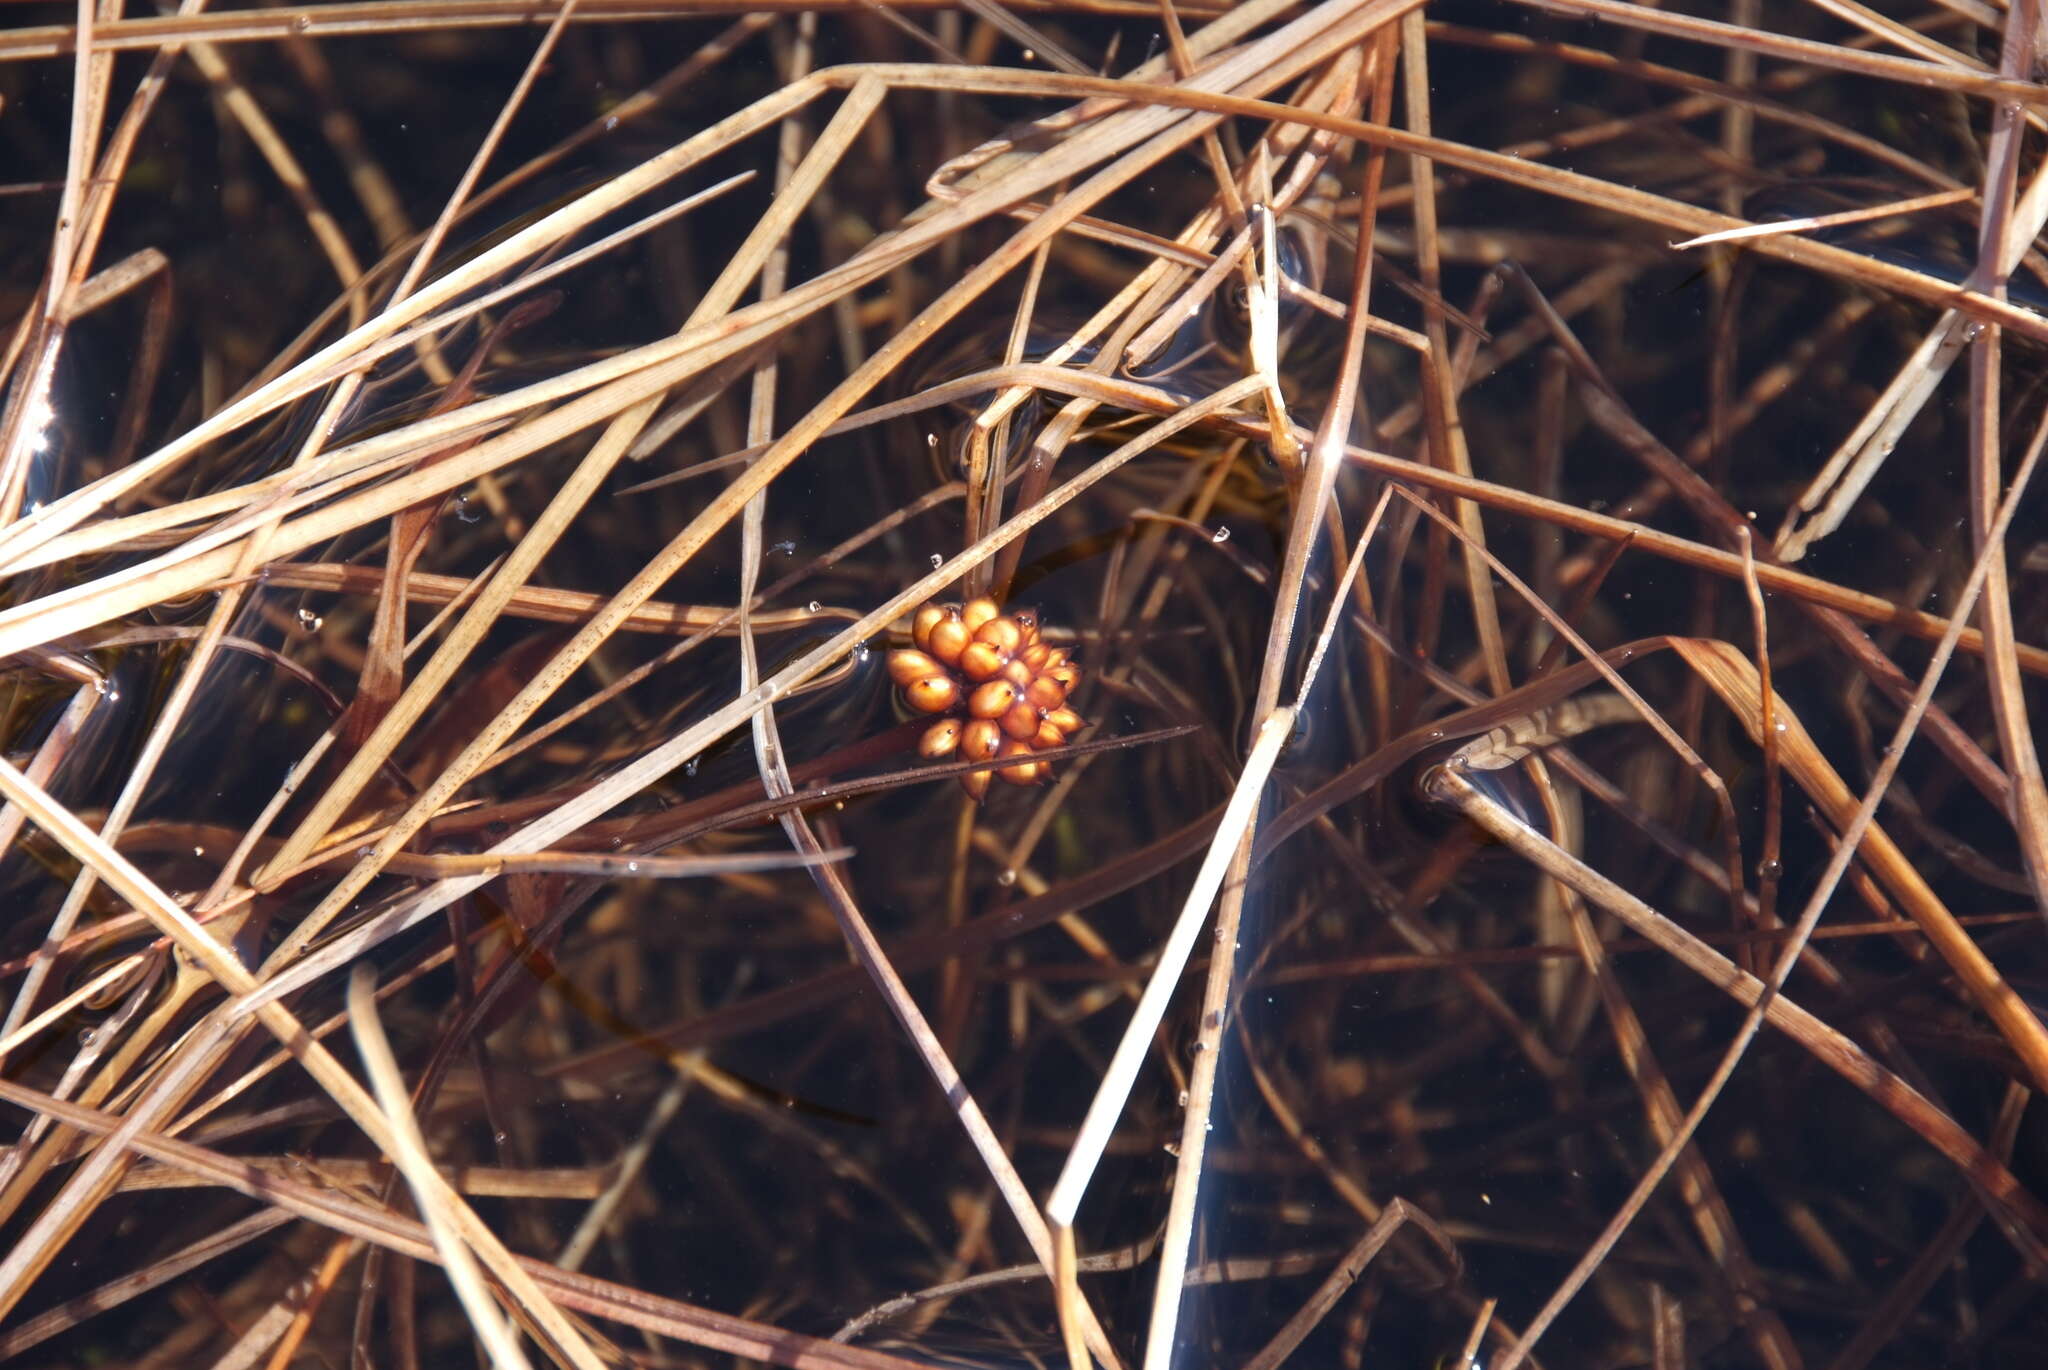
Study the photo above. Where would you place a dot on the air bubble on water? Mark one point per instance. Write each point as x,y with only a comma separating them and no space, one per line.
813,606
931,440
632,867
310,621
467,511
691,767
787,549
1221,535
199,851
1006,878
861,653
937,561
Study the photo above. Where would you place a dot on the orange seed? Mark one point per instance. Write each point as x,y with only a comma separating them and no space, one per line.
1045,693
1026,773
907,666
933,694
980,661
946,639
978,612
992,700
942,739
921,625
1066,720
979,739
1003,634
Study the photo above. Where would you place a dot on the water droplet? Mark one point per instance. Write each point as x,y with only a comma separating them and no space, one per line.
787,549
1183,1098
691,768
1221,535
309,621
611,121
937,561
632,867
1006,878
861,653
813,606
88,1037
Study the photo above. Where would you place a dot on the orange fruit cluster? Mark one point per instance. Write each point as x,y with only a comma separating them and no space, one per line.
1013,687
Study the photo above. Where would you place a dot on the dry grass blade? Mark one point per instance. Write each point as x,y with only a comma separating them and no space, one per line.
410,1155
1110,1096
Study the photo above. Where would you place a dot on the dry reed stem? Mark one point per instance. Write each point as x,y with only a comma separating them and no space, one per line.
410,1155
